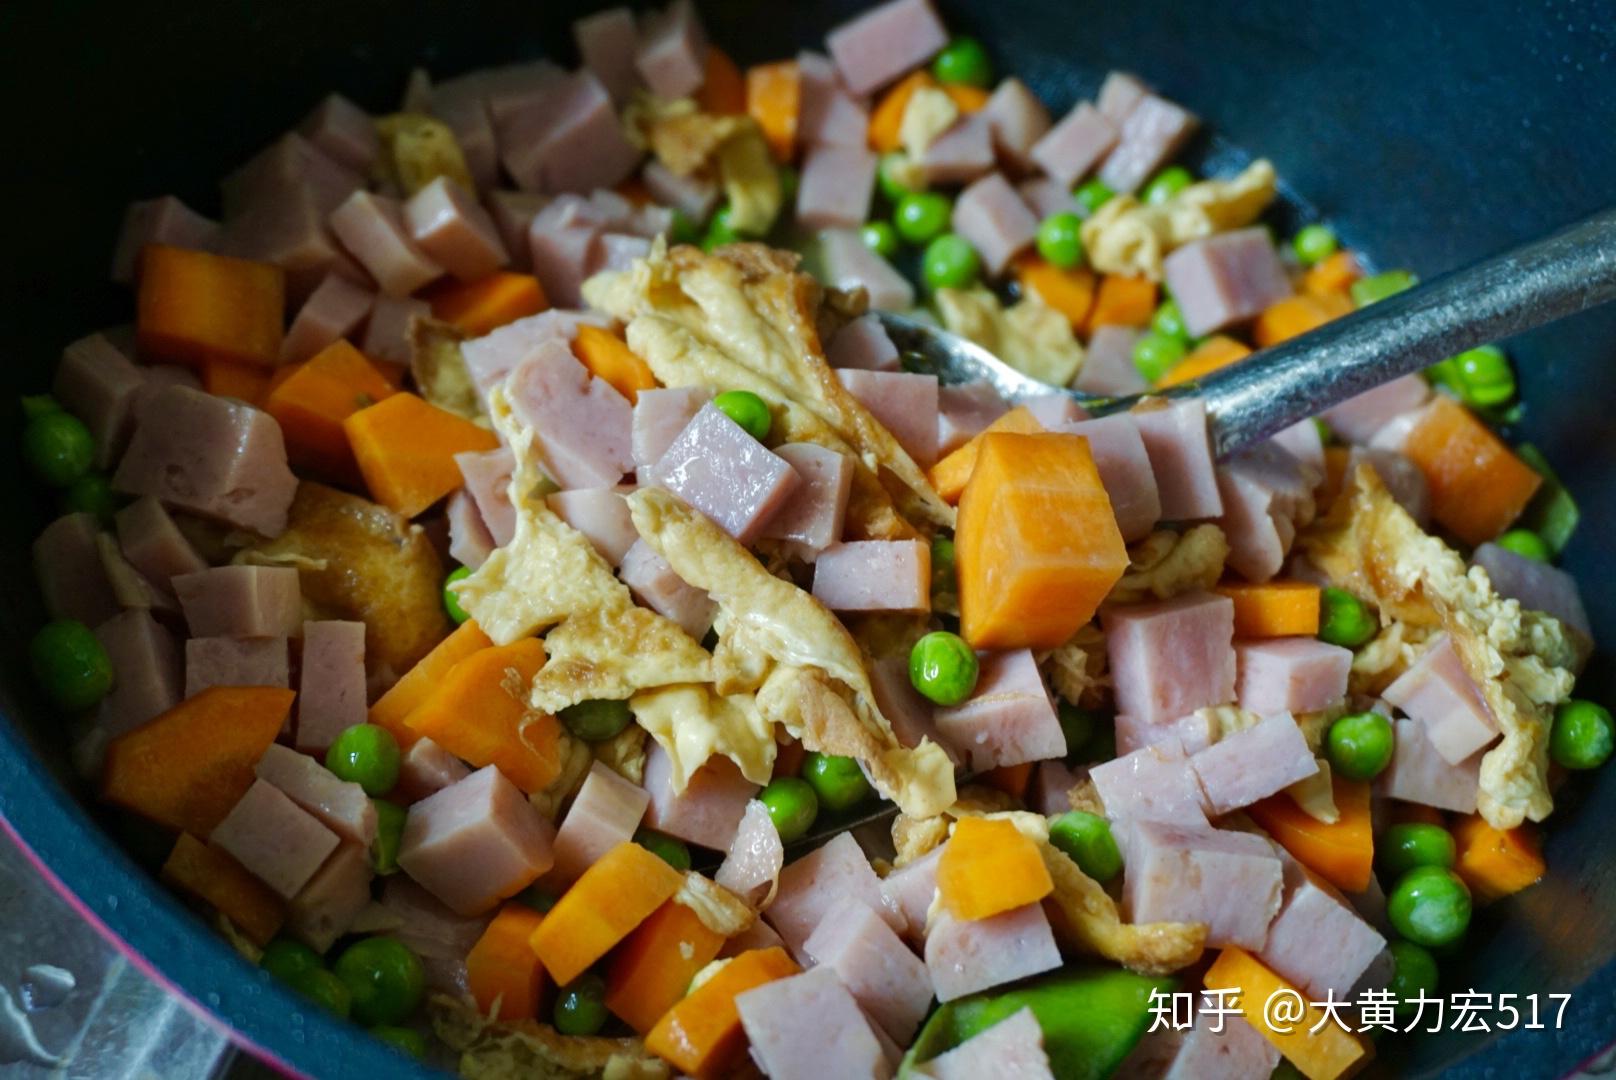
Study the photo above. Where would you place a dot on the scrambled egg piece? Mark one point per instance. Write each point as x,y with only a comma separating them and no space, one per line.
440,370
575,760
929,113
529,1050
719,910
1521,660
623,753
1030,336
1315,795
1126,236
1078,669
692,723
1167,563
612,652
751,182
416,150
813,677
687,141
1388,654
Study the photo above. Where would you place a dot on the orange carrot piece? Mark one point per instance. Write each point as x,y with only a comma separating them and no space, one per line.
1010,779
774,100
617,893
503,974
1036,542
406,447
1332,276
404,696
652,969
887,116
950,475
1290,317
221,882
1070,292
1478,485
1497,862
1215,352
193,307
1343,853
479,713
701,1035
609,357
723,91
243,382
1122,301
1273,609
312,401
188,767
1317,1045
478,307
968,98
989,867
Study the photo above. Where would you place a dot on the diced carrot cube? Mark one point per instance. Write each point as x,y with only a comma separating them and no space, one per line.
1478,485
406,447
193,307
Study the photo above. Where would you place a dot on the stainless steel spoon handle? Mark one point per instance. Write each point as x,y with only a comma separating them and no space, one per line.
1562,274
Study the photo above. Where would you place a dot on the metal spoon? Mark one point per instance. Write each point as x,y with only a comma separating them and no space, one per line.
1535,284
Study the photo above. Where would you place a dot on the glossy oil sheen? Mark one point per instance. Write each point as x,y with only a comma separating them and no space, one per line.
1431,134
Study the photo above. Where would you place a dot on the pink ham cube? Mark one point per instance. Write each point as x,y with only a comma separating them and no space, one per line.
341,805
1213,1048
751,866
373,229
601,514
835,189
874,575
279,842
331,694
809,1026
813,518
884,42
828,114
716,467
1108,366
1050,791
1054,411
888,981
1253,764
1172,657
427,768
1538,586
906,710
1318,942
476,842
563,243
911,888
694,196
1075,145
71,573
672,57
387,333
153,543
447,224
470,543
991,215
1018,120
850,264
604,813
219,661
964,412
1438,693
146,666
961,154
863,343
1226,278
1009,719
461,107
487,474
491,358
660,414
1047,198
1118,95
1266,495
965,956
1298,674
815,883
607,41
1418,773
344,132
902,402
1012,1048
1231,881
513,213
1180,452
570,142
1358,418
760,935
1404,481
583,425
242,601
1192,732
655,584
333,310
166,221
1148,137
1153,783
1124,465
97,382
325,908
708,810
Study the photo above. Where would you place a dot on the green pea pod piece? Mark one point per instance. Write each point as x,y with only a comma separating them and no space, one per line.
1091,1016
1553,512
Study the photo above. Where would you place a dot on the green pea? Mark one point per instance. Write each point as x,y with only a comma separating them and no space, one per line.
880,237
451,602
943,668
1087,839
1077,725
1430,906
838,782
922,216
1091,195
1481,376
389,834
684,229
1169,322
792,806
1527,544
1360,745
719,230
580,1008
286,959
1582,736
1314,243
1060,239
58,448
1368,290
325,989
747,410
790,180
1414,971
91,494
407,1040
385,978
1165,184
669,849
1154,355
38,405
892,175
950,262
598,719
71,666
367,755
1404,846
1344,619
944,570
963,60
537,898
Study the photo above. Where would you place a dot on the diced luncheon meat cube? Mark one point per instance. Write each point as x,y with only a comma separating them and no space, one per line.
583,425
1192,733
910,890
808,1026
1012,1049
242,601
1318,942
601,514
1438,692
716,467
708,810
965,411
660,414
331,693
1108,366
563,242
146,669
876,47
1118,95
965,956
1537,585
902,402
131,588
1047,198
517,93
1418,772
1253,764
68,566
835,189
476,842
427,768
219,661
440,937
98,383
618,251
373,229
672,57
1226,278
1304,442
1293,674
513,213
850,264
278,841
325,908
289,230
1054,411
212,456
813,517
1153,131
760,935
993,218
572,142
752,864
1181,459
487,474
344,132
874,575
1076,144
1172,657
333,310
961,154
491,358
290,164
1266,495
909,714
1018,120
813,884
607,41
828,114
1009,719
1213,1047
1358,418
1232,881
694,196
604,813
888,981
446,223
165,221
342,805
864,344
654,583
387,333
470,543
1124,465
1153,783
1404,480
